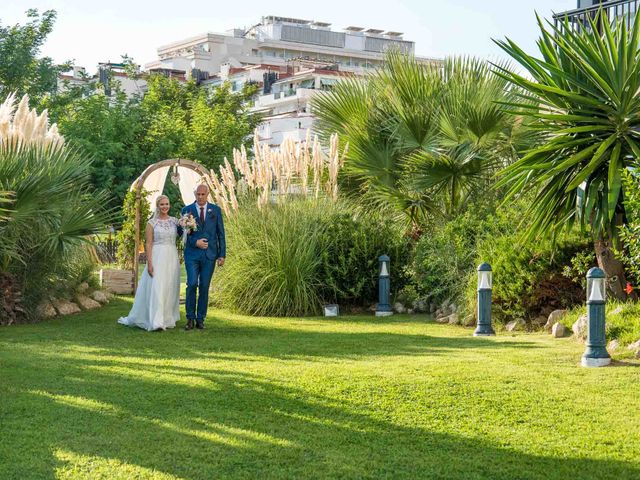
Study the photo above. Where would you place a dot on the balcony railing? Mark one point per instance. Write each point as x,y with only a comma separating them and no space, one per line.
611,10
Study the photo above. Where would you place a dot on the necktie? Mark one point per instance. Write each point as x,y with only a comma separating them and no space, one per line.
201,214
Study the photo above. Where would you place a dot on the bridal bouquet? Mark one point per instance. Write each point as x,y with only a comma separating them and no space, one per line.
188,224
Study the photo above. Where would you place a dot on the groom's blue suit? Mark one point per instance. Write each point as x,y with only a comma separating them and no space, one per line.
200,262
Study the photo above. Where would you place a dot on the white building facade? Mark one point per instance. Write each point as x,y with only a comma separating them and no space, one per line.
291,59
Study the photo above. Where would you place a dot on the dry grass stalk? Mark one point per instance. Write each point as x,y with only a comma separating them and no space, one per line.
22,127
296,168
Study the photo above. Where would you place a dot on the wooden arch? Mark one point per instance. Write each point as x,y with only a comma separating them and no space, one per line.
139,183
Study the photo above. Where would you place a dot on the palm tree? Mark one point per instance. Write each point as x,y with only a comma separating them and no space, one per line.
48,210
582,97
423,138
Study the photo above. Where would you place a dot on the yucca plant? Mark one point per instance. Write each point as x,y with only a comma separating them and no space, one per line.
582,95
49,211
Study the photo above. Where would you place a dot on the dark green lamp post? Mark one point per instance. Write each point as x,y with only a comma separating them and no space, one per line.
484,328
596,354
384,286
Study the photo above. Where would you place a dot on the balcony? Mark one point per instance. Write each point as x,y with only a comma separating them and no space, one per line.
612,9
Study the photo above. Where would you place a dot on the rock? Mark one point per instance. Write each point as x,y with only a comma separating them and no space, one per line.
398,307
515,325
443,319
46,310
453,308
66,308
420,306
411,311
554,317
469,320
558,330
432,308
83,287
87,303
539,321
638,354
453,319
100,296
613,345
439,313
579,327
634,346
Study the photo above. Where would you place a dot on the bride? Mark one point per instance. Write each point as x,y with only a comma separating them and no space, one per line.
156,304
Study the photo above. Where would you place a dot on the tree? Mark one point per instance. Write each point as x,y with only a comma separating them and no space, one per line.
186,121
109,130
582,97
21,70
423,138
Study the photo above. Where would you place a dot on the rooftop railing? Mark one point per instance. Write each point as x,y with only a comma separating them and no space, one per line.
611,10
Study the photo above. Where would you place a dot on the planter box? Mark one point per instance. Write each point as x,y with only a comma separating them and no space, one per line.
117,281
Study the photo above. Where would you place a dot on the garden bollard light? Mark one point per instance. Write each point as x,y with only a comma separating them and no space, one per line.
384,285
484,328
596,354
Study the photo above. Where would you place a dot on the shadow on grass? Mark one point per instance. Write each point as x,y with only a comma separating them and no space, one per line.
209,422
225,337
237,425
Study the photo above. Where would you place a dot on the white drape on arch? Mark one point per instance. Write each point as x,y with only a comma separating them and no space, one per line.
154,184
189,180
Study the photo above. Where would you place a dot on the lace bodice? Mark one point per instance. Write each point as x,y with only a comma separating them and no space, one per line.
164,231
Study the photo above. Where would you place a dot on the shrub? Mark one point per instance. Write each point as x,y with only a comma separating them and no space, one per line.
50,214
444,256
630,233
350,246
290,258
126,237
276,258
528,279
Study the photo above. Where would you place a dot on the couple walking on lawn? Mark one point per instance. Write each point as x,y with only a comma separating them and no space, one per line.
156,304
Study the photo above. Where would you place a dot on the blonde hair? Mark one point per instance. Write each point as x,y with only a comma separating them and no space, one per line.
159,199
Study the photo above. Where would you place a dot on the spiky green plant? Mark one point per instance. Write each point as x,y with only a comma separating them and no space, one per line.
582,94
423,138
50,211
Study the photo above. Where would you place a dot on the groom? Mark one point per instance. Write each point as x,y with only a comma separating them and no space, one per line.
203,249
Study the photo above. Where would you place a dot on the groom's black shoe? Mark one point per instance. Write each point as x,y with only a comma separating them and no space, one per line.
200,325
189,325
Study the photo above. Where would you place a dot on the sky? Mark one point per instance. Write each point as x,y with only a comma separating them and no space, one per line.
89,32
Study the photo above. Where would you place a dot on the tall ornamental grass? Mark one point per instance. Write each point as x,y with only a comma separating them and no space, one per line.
276,258
291,257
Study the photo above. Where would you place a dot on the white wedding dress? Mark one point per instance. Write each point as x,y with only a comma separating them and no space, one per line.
157,303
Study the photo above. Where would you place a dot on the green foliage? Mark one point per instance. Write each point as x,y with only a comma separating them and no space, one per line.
630,233
126,237
173,120
51,213
290,258
287,398
423,139
445,255
109,129
184,121
276,258
586,110
528,279
350,246
622,323
578,267
21,70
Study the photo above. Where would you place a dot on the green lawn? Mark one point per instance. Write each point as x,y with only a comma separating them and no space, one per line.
83,397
